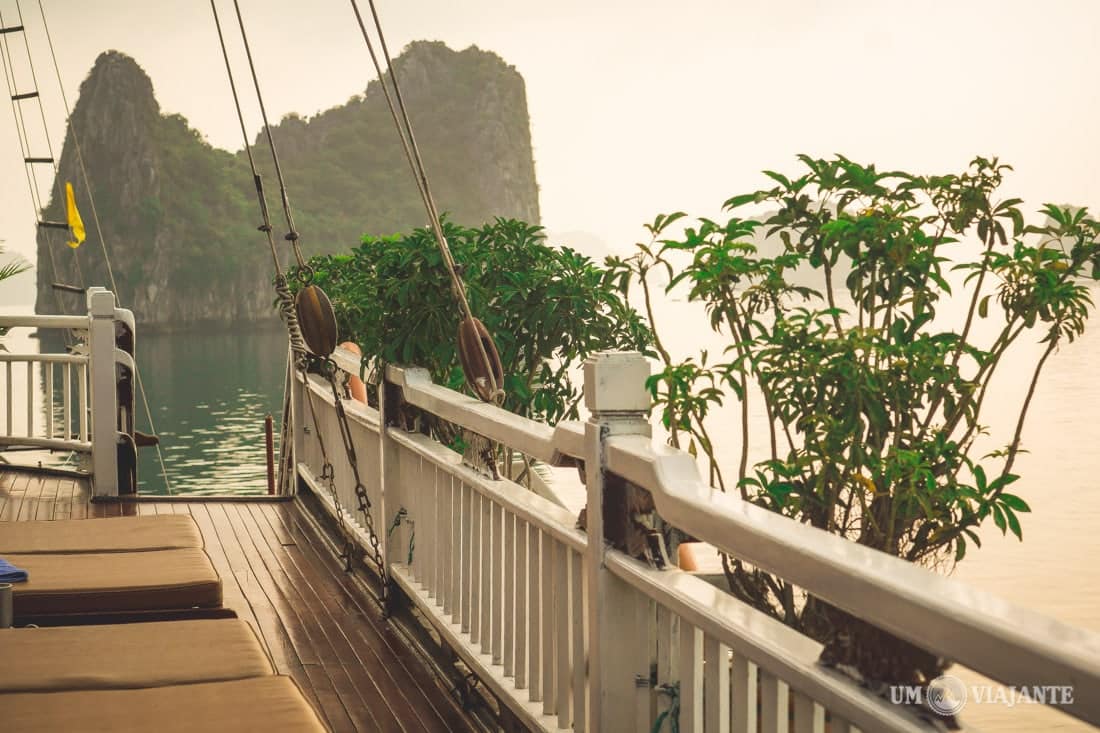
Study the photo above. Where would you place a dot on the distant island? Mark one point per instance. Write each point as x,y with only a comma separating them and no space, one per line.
179,216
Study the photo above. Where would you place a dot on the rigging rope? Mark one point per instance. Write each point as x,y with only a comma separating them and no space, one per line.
99,234
282,288
28,169
322,362
54,162
292,233
400,115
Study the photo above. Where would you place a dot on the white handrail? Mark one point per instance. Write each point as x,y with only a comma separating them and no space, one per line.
44,358
36,321
992,636
985,633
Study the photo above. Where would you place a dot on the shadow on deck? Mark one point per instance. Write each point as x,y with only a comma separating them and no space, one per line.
279,574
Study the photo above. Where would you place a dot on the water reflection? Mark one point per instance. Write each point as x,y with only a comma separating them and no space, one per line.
209,393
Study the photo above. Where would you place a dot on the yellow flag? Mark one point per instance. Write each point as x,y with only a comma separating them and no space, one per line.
76,224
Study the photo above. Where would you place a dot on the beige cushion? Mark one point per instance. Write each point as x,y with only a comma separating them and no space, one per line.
129,655
114,534
115,582
268,704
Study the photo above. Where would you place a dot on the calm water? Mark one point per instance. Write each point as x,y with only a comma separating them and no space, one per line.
209,393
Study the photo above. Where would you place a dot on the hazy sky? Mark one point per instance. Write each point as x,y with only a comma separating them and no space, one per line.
643,107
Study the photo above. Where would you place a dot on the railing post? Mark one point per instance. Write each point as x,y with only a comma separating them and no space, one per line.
101,360
389,498
616,396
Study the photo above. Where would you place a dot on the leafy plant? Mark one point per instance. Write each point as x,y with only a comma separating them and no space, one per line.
547,308
873,404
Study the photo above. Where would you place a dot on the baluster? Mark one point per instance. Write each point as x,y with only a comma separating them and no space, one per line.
448,549
49,398
809,717
774,705
441,540
409,476
498,579
82,405
414,489
667,629
564,642
465,562
508,570
743,684
644,653
523,611
534,613
67,396
578,622
549,625
475,566
691,678
429,504
487,599
30,399
716,681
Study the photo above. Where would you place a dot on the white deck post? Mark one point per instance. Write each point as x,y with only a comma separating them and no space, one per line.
616,396
101,358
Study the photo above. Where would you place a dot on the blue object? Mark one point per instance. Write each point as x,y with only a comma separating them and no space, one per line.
11,574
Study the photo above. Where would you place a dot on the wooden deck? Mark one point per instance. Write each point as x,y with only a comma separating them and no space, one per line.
279,574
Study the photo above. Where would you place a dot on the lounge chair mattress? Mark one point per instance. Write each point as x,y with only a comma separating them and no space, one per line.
269,704
126,656
113,534
114,582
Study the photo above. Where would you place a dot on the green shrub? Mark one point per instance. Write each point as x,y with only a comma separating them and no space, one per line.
547,308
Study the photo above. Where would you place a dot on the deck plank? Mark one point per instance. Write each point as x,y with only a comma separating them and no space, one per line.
347,680
392,654
282,577
371,681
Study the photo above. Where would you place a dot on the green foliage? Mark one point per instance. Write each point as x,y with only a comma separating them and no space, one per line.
874,405
547,308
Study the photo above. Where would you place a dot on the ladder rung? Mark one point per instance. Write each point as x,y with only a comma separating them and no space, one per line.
37,160
11,29
68,288
25,95
53,225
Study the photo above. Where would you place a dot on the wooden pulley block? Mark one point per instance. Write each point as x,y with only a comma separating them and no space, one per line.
470,332
316,319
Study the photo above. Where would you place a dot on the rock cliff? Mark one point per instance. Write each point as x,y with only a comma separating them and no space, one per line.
179,215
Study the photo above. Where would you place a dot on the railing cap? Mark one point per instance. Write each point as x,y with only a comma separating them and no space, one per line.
614,381
101,303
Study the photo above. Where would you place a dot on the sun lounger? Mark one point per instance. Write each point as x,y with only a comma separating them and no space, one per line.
90,584
126,656
269,704
114,534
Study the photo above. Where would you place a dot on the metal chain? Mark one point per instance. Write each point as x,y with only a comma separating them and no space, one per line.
328,369
328,475
360,490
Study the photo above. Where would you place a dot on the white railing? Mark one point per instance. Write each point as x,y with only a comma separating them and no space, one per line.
509,582
69,401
